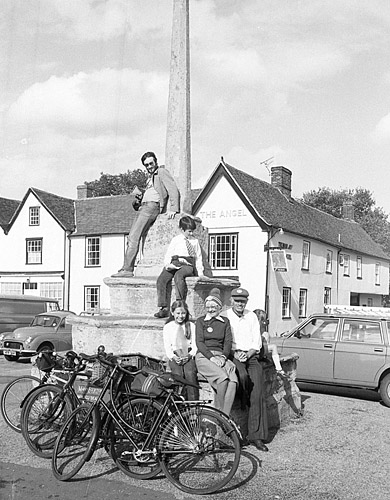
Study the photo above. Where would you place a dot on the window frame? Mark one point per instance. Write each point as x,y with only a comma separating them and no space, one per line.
329,262
87,301
346,265
302,304
377,273
40,253
215,254
286,304
327,295
88,258
359,267
32,216
305,265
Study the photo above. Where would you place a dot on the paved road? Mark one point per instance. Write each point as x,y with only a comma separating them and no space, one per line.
337,451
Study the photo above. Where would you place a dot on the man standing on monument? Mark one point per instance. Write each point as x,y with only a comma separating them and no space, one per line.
161,191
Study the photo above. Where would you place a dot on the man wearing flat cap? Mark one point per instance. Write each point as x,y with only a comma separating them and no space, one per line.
246,347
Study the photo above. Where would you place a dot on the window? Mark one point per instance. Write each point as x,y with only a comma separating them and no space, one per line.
358,267
377,274
305,255
320,328
52,290
329,261
302,302
34,216
346,265
92,251
370,302
34,251
91,298
286,303
9,288
327,296
223,251
368,332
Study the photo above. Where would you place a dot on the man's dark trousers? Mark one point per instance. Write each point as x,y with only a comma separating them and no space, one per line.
251,376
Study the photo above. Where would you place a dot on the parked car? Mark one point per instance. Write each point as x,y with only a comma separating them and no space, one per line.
345,348
48,331
19,310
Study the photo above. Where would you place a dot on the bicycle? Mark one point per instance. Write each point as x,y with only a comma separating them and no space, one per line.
196,446
15,394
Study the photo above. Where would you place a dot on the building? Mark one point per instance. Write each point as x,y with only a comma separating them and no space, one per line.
294,259
35,245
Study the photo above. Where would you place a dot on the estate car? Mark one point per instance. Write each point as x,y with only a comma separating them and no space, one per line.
345,347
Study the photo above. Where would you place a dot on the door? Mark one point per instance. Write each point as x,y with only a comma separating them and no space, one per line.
315,344
360,353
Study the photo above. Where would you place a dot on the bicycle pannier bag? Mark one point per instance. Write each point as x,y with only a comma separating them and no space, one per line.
147,383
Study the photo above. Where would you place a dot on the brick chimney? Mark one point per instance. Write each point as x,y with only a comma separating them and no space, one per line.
281,179
84,192
348,210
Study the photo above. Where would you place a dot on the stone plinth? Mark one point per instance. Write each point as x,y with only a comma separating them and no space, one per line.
138,295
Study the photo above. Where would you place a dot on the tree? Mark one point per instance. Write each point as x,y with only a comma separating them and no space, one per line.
111,185
373,219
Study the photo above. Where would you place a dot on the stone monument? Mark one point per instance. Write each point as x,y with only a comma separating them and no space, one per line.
131,326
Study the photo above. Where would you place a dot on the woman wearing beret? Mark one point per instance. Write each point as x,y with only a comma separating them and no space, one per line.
214,342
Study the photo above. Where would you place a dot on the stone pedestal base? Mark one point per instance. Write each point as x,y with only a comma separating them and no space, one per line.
138,295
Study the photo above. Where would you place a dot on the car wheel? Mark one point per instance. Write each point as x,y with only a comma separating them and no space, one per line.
384,390
11,358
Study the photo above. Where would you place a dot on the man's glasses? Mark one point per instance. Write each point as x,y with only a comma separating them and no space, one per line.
150,164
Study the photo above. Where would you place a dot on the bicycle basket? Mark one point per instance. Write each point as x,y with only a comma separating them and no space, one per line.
45,361
147,382
140,361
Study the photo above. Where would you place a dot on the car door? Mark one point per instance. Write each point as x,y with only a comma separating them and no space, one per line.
64,336
314,343
361,352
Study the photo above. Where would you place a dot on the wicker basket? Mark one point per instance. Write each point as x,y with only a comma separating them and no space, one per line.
140,361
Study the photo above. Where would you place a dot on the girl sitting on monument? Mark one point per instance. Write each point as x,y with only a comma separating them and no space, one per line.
180,347
183,258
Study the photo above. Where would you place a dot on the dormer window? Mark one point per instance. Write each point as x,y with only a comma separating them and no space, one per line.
34,219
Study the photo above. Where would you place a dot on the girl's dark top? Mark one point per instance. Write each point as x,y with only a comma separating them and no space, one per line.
213,335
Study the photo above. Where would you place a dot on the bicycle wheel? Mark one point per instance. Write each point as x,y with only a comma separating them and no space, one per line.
139,415
199,449
43,414
75,442
12,398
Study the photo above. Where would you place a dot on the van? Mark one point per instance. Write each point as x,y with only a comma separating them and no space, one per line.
17,311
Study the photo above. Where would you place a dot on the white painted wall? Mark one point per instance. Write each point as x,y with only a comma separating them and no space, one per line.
112,251
224,212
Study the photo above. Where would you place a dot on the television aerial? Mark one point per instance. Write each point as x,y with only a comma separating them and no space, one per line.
267,163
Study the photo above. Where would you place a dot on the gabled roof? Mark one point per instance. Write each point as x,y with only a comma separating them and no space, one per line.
104,215
272,209
7,210
62,209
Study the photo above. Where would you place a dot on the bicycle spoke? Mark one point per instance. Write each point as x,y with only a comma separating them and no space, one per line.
13,395
74,442
43,415
199,449
138,415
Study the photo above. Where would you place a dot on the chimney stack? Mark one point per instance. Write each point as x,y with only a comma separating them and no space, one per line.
348,210
281,179
84,192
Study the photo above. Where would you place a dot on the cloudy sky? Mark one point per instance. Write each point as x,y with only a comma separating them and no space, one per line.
84,88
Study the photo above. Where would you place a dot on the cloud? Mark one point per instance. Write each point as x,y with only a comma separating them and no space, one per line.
102,100
381,132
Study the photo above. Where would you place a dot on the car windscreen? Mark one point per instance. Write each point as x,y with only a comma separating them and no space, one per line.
45,321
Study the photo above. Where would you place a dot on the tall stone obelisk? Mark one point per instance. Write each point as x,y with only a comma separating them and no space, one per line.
178,140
